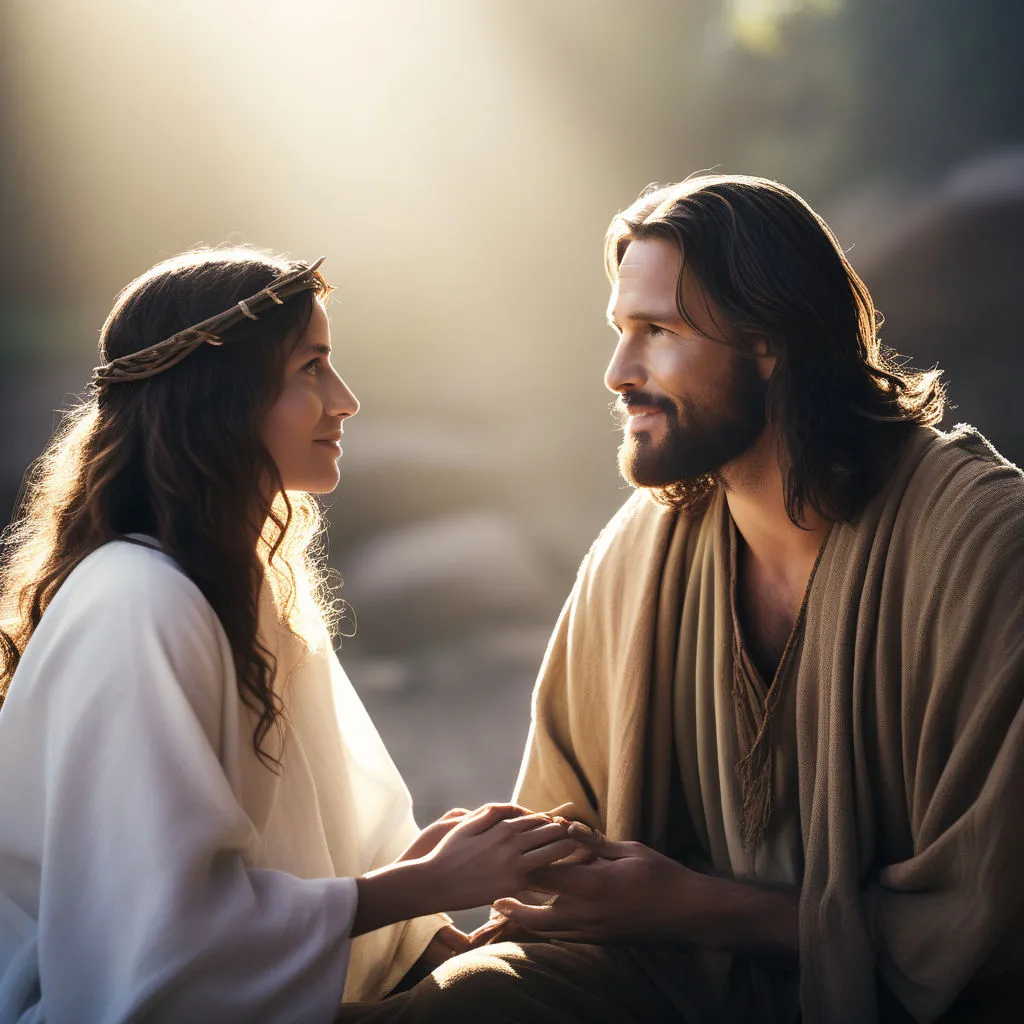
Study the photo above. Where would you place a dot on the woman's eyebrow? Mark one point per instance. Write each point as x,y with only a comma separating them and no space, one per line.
316,346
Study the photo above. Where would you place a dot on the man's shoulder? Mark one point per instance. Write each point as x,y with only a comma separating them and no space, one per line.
960,472
964,443
956,493
638,534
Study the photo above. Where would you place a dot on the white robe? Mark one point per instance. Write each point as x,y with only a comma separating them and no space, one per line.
150,865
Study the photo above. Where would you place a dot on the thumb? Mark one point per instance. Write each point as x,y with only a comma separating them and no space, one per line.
454,938
599,844
550,918
522,913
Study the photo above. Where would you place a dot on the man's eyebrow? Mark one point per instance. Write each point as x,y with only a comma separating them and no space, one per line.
639,316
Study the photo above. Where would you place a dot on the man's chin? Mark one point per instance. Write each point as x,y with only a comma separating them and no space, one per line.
641,470
647,466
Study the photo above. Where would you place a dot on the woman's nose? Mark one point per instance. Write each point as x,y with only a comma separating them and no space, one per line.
343,401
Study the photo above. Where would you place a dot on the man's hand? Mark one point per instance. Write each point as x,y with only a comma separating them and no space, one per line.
448,941
630,893
619,896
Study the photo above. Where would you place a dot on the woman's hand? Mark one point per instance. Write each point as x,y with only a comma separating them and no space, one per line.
489,853
434,833
469,859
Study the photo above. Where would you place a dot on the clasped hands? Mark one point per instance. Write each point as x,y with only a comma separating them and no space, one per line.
603,891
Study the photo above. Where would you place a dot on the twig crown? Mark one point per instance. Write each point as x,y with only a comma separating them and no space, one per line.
154,359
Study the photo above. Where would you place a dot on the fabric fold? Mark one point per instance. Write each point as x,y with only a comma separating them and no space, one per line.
905,717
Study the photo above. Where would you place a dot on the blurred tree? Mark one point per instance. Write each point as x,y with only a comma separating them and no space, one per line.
829,94
825,95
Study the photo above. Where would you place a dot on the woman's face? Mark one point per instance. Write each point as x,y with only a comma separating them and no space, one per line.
302,431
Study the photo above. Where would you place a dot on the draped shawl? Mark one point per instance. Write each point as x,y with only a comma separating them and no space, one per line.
909,721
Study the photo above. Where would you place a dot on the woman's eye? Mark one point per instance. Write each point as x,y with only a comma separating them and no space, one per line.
312,367
655,330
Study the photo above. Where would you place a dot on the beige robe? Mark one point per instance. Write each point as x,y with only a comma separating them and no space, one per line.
907,693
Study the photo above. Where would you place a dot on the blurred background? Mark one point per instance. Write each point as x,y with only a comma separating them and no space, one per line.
458,161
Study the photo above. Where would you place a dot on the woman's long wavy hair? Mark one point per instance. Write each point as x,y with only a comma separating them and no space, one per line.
178,456
839,403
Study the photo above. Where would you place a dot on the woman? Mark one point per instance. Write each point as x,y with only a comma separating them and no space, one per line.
197,816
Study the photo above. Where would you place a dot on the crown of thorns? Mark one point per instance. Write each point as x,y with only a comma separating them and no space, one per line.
150,361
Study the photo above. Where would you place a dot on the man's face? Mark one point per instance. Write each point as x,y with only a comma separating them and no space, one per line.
692,403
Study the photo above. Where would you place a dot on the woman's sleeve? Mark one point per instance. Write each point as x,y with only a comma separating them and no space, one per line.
148,910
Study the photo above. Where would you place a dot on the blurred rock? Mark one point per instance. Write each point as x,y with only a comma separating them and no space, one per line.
950,284
446,579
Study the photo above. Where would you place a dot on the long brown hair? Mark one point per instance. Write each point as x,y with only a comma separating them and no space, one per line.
178,456
839,402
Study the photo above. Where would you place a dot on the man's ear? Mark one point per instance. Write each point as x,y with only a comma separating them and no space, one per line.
764,353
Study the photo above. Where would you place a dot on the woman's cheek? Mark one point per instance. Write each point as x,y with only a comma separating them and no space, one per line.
301,409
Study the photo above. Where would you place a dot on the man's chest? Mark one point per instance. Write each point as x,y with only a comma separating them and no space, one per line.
767,610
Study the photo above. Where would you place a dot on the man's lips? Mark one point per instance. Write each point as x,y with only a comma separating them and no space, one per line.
641,410
642,419
639,417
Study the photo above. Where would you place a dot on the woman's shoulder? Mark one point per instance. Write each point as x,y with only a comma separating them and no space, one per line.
129,567
131,581
128,612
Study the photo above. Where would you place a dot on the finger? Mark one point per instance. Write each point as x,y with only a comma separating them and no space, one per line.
530,822
541,920
490,814
541,856
584,832
455,812
454,938
437,952
559,878
609,849
551,832
514,810
581,855
437,830
482,935
560,811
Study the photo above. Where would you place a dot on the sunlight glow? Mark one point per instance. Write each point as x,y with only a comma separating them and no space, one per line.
757,24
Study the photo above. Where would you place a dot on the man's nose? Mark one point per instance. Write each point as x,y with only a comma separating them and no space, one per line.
626,370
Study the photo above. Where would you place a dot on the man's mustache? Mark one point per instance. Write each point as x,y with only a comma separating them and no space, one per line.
642,400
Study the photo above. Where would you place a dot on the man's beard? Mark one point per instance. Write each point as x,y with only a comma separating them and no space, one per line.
710,437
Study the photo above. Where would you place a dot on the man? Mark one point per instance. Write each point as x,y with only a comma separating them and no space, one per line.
788,683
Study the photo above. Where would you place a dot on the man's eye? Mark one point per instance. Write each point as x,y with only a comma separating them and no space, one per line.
655,330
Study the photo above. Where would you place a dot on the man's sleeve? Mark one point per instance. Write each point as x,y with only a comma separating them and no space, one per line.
952,914
551,773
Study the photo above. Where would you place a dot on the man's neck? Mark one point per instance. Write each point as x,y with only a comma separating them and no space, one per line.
774,558
754,491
